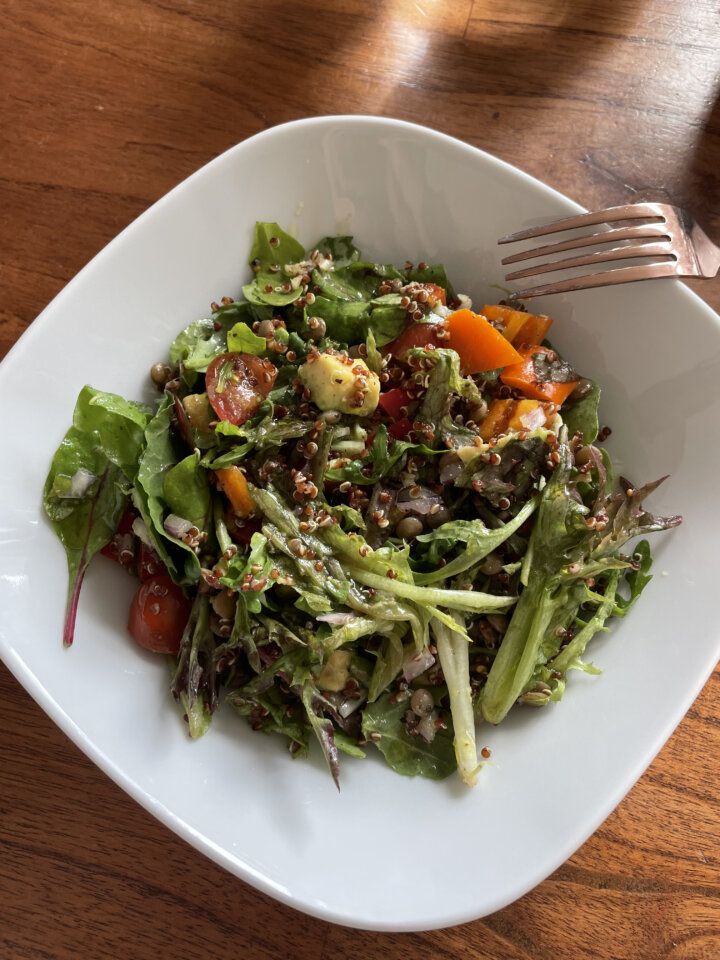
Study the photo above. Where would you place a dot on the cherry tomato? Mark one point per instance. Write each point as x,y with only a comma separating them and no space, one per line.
241,532
158,614
149,563
392,402
121,548
417,335
400,429
237,383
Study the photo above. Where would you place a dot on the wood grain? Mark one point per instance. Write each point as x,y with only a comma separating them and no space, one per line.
105,107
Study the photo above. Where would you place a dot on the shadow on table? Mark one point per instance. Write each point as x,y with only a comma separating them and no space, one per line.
702,181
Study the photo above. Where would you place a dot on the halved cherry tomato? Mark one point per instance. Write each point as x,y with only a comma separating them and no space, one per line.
121,548
400,429
149,563
237,383
158,614
244,534
392,401
417,335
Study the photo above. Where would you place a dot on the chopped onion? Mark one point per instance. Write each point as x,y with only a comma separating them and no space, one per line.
176,526
420,505
80,483
451,466
426,727
533,419
336,619
348,705
141,532
416,664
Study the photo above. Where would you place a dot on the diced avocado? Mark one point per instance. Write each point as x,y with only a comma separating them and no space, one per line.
337,382
198,411
336,672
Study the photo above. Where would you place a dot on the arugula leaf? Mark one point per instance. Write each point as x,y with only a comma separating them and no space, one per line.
479,539
322,727
242,564
636,578
563,550
519,461
445,383
194,680
265,432
381,460
553,537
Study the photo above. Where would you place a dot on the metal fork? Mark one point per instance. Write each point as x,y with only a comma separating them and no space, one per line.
666,234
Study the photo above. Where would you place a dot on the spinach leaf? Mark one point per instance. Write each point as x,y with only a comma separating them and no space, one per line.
272,248
199,343
97,457
351,321
242,339
117,424
272,245
341,249
582,415
432,273
157,459
406,754
187,493
355,281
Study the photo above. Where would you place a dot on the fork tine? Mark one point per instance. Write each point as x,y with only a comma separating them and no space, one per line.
645,231
630,211
606,279
600,256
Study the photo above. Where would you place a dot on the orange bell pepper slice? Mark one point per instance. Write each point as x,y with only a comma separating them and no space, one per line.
480,346
522,377
518,327
235,487
504,416
436,294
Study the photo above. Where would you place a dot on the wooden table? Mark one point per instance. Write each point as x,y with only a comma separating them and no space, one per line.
108,105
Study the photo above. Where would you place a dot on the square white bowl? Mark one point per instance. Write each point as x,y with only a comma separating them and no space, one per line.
386,853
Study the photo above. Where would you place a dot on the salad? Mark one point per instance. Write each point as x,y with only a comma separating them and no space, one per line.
360,511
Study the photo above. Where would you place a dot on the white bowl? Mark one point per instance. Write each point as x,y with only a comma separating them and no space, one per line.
386,853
